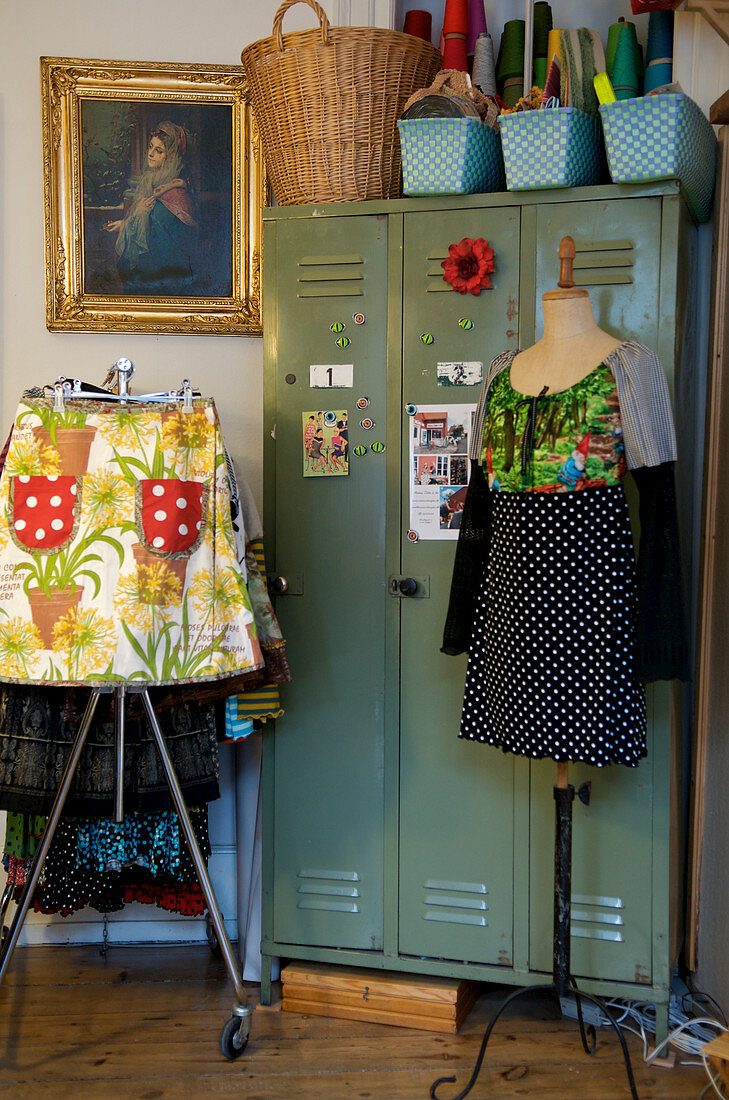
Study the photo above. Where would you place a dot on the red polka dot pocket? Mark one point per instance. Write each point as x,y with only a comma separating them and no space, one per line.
171,515
44,511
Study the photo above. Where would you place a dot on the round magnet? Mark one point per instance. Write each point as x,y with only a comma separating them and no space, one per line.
359,318
363,402
330,417
413,536
360,450
378,447
411,409
465,322
337,326
343,342
367,423
427,337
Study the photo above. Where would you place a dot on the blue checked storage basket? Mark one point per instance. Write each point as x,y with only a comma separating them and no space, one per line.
662,136
551,147
450,156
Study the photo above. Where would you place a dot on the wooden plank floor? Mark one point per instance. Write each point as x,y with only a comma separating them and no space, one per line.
144,1023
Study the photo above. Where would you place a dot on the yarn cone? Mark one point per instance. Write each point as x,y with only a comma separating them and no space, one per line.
455,17
454,53
418,23
484,69
624,76
476,24
659,51
511,64
554,48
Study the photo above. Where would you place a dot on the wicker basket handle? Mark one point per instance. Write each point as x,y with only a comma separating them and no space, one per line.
278,21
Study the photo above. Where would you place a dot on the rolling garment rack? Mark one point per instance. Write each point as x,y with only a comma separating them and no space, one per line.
235,1032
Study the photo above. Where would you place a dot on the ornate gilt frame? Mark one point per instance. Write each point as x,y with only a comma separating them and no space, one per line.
65,82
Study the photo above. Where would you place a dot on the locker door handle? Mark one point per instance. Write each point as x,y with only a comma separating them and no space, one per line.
280,585
401,585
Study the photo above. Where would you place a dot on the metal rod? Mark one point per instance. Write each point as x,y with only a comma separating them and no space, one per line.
48,832
202,871
119,697
8,894
528,44
563,799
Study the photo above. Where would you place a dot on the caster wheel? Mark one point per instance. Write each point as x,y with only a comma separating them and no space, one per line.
212,939
229,1039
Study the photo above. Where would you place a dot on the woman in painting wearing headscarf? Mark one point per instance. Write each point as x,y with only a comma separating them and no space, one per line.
156,242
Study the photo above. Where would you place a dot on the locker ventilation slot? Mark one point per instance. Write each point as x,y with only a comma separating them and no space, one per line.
597,918
336,276
601,263
434,272
443,904
328,891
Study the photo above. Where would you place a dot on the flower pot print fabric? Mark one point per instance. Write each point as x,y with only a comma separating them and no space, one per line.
118,561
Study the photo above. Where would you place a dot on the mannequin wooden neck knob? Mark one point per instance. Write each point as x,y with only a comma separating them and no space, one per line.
566,292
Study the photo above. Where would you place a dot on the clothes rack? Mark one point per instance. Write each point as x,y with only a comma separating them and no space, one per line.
235,1032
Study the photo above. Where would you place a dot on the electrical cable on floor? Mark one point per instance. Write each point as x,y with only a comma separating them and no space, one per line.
714,1082
688,1034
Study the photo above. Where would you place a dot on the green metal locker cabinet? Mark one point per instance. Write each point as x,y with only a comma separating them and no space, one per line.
389,842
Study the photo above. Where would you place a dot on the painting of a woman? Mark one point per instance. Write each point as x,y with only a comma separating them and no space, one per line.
157,240
157,199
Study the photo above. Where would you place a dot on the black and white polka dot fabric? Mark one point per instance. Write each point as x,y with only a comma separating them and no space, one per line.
550,669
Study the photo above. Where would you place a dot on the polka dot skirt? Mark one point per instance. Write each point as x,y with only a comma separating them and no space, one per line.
550,669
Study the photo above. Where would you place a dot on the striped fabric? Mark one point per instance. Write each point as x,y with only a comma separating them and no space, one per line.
263,703
256,546
499,364
645,405
236,728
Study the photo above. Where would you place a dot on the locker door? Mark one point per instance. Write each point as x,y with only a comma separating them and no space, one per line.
330,547
456,798
618,250
618,253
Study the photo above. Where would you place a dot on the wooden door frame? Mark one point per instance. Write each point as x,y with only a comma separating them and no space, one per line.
715,439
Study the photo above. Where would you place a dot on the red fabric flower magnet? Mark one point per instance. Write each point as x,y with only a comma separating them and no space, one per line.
468,265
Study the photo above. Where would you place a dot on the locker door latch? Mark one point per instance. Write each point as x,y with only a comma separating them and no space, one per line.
406,587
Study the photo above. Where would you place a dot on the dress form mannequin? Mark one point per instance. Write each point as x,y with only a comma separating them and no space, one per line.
573,347
572,344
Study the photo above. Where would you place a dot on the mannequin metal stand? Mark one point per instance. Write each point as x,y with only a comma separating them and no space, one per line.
562,982
234,1035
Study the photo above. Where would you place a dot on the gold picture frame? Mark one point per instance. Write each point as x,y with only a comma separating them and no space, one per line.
125,252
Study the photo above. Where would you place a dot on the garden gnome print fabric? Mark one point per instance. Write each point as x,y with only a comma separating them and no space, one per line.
118,561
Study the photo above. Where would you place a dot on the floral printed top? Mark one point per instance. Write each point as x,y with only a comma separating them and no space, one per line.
554,443
118,560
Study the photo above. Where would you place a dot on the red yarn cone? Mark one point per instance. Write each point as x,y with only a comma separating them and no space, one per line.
455,17
454,53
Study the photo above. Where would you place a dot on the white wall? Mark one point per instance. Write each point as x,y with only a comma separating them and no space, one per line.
229,368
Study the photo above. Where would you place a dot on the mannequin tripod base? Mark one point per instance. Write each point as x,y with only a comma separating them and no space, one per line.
562,982
587,1035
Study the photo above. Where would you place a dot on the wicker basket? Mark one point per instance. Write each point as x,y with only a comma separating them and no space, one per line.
327,102
450,156
555,147
662,136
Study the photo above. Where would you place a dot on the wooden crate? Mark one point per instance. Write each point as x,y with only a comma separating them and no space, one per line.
717,1051
405,1000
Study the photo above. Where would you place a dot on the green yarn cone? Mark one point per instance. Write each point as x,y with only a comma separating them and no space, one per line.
624,76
